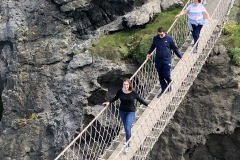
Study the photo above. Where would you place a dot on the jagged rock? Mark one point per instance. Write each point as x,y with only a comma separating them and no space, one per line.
73,5
222,49
80,60
94,110
142,15
114,26
219,49
170,5
62,1
41,76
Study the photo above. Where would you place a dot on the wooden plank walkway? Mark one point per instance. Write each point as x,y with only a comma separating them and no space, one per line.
149,124
143,126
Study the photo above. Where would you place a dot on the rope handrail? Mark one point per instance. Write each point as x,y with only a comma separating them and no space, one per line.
105,129
132,77
145,61
198,57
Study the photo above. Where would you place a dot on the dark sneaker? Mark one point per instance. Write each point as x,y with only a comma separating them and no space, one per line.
159,95
169,89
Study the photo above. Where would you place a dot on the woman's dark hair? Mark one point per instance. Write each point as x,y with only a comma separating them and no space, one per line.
129,82
199,1
161,29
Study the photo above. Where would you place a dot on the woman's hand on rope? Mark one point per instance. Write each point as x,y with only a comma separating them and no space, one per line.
181,13
106,103
177,16
208,16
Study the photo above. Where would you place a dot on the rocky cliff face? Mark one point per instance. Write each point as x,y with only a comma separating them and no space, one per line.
207,123
49,79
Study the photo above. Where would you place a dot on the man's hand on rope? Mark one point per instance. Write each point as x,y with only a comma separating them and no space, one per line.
148,56
106,103
183,59
152,107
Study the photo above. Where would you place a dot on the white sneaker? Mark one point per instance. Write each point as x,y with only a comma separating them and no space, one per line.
127,149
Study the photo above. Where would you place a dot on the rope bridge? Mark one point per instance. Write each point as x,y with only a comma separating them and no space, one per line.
104,136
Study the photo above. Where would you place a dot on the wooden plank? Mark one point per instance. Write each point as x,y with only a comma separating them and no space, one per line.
145,123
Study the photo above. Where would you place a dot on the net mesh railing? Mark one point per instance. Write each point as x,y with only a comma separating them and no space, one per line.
152,124
104,133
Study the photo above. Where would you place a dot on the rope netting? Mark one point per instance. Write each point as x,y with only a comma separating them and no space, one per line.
152,123
104,136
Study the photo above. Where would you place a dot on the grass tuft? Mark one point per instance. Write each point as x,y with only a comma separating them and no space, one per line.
232,35
134,43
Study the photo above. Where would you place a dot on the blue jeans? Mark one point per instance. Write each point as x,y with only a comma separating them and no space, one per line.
127,119
196,32
164,73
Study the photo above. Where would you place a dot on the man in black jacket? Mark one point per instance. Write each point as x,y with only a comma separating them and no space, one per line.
164,43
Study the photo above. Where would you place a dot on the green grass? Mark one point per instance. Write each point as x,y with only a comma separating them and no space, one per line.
125,44
234,53
230,27
231,37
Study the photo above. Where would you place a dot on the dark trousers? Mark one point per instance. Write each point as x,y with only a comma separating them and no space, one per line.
164,73
196,32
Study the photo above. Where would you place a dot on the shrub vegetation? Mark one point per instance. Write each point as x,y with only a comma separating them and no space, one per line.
133,44
231,37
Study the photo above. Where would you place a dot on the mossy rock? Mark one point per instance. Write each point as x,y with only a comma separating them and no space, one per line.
143,47
234,53
76,52
124,51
